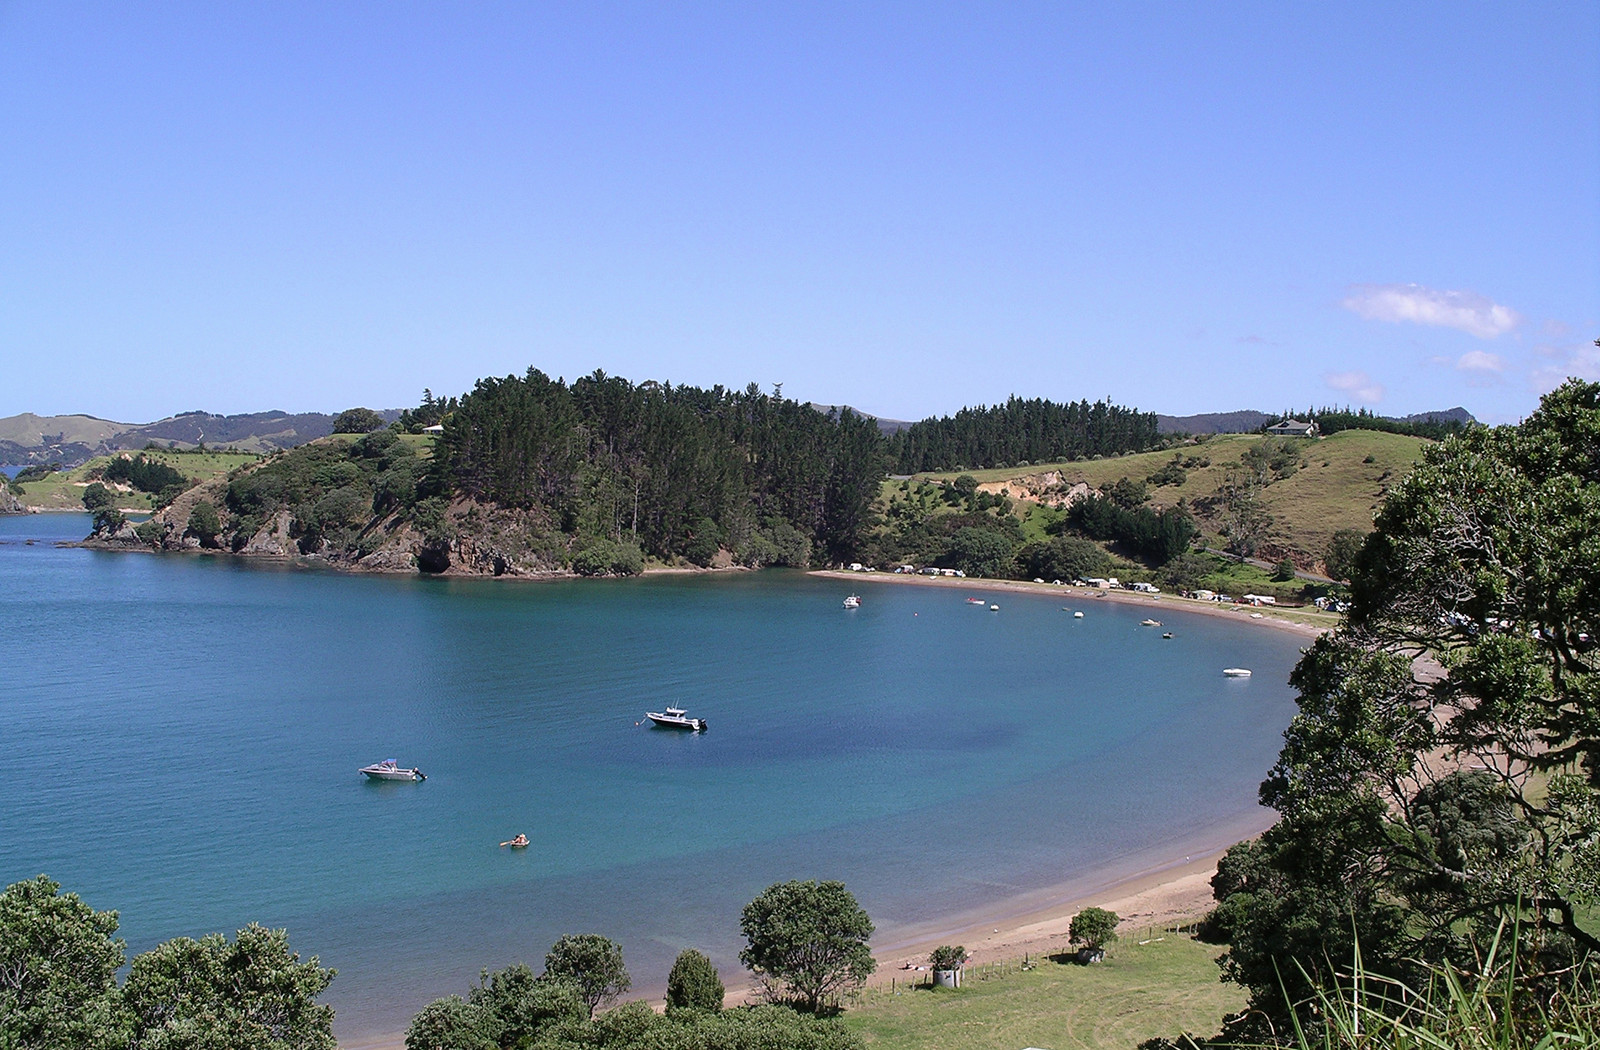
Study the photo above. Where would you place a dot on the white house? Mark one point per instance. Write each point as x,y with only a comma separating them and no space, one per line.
1293,428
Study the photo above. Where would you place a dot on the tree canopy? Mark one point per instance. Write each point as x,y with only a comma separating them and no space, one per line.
806,942
58,970
1441,783
590,963
693,983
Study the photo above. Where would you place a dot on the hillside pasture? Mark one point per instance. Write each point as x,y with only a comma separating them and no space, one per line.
63,490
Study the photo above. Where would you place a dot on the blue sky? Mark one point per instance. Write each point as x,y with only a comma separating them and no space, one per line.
908,208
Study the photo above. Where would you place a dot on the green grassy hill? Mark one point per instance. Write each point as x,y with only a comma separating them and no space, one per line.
63,490
1338,482
1163,988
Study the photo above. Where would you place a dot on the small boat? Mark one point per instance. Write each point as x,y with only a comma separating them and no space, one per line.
1077,615
1149,623
389,769
853,602
518,841
974,601
994,608
676,718
1166,634
1236,672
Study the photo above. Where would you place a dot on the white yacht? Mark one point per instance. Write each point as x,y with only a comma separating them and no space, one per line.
676,718
389,769
1236,672
853,602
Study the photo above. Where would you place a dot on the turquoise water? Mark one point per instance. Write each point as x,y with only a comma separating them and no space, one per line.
179,738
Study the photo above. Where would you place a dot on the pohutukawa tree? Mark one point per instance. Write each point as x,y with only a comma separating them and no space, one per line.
1442,780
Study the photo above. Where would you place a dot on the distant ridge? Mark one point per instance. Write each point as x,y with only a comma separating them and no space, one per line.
1248,421
72,439
1244,421
888,426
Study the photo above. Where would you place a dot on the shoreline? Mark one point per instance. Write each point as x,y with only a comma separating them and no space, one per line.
1297,620
1036,923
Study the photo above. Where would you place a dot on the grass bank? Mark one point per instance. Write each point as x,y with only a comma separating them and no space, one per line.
63,490
1165,986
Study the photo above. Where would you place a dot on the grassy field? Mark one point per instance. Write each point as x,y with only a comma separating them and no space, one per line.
64,490
1338,485
1163,988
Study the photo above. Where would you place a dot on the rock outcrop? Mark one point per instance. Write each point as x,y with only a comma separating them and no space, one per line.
9,504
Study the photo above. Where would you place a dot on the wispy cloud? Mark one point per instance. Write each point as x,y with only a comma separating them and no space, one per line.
1480,362
1357,384
1579,360
1466,311
1255,340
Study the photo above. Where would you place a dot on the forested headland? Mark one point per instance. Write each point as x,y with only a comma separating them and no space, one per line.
529,474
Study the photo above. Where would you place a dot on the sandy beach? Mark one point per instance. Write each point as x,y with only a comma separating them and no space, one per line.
1306,621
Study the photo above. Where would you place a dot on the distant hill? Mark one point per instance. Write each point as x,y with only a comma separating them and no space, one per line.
1244,421
888,426
1247,421
74,439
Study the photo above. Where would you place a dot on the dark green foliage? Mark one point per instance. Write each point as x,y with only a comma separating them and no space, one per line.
452,1023
108,520
204,524
704,540
96,497
1063,558
693,983
1158,535
1339,558
1283,571
1094,928
654,461
1332,420
604,558
58,965
35,473
523,1003
1128,494
432,410
806,942
1171,473
1038,431
948,957
333,490
357,421
592,964
980,552
146,475
1487,556
249,994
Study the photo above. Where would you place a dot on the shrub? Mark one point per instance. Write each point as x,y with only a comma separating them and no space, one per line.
693,983
948,957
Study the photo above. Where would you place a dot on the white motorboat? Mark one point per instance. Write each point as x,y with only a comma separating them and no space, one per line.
975,601
676,718
1077,616
1236,672
853,602
1149,623
389,769
994,608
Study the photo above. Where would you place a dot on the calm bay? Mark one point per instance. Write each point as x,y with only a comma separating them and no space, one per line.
179,739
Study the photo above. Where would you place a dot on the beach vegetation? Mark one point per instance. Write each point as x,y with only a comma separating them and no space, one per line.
1094,928
251,993
452,1023
1439,791
58,970
806,943
591,964
693,983
1063,557
947,957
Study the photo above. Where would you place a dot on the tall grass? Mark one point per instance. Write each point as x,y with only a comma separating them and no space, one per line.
1488,1011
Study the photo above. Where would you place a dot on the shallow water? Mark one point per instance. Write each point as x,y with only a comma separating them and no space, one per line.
180,735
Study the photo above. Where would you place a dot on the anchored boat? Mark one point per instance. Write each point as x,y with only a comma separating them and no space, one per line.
676,718
389,769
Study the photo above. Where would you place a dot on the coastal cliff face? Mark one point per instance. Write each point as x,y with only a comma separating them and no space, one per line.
8,500
467,539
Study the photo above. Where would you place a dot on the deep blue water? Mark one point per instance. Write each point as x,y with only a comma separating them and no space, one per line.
179,739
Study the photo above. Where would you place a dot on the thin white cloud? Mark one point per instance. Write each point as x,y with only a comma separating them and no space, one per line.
1578,360
1357,384
1466,311
1480,362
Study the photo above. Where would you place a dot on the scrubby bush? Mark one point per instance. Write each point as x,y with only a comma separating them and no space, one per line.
694,983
